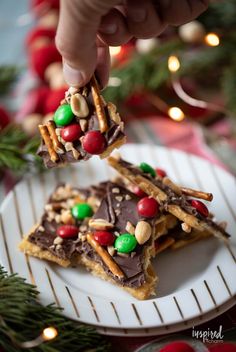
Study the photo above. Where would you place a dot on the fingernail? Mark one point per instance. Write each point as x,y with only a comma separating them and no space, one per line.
137,14
72,76
108,28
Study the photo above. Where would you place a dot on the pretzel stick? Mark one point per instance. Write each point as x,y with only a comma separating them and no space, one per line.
58,147
47,140
101,115
113,267
172,185
197,194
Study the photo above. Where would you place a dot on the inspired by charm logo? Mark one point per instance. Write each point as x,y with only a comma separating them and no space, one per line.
209,336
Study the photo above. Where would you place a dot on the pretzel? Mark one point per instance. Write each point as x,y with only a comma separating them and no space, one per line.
197,194
47,140
172,185
101,115
188,219
58,147
113,267
114,115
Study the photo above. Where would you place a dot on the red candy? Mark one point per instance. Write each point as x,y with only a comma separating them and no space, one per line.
67,231
177,346
161,172
147,207
71,133
104,238
200,207
138,191
94,142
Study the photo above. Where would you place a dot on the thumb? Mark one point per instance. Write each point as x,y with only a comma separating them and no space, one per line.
79,21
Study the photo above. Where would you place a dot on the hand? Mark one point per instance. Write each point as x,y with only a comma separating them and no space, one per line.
87,27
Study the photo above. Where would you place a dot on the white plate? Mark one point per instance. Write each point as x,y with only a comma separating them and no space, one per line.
193,281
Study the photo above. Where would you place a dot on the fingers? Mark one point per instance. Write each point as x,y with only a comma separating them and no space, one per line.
179,12
103,63
143,19
76,37
113,28
116,22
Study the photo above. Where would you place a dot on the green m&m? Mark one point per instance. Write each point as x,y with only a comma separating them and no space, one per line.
81,211
147,169
63,115
125,243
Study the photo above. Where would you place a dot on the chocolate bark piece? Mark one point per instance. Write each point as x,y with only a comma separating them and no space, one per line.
118,208
88,112
138,277
173,202
43,241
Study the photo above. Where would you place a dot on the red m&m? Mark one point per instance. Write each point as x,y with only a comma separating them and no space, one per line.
177,346
147,207
161,172
138,191
104,238
199,206
67,231
94,142
71,132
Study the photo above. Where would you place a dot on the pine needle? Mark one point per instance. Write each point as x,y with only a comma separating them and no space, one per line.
18,151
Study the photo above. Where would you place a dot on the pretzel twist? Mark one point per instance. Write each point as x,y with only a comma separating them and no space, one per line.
48,142
107,259
197,194
58,147
98,103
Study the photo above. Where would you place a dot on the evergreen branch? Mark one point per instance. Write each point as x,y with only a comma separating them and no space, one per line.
8,75
142,71
228,82
22,318
220,15
17,151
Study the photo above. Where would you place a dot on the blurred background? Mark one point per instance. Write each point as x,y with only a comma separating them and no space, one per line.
176,90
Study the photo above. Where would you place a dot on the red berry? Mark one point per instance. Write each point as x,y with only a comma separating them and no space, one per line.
94,142
67,231
138,191
200,207
177,346
147,207
161,172
104,238
71,132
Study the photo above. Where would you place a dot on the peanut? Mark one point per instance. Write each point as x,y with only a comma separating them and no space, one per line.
79,105
100,224
143,232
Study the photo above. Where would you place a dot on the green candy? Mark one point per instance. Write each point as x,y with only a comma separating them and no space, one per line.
147,169
125,243
63,115
81,211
